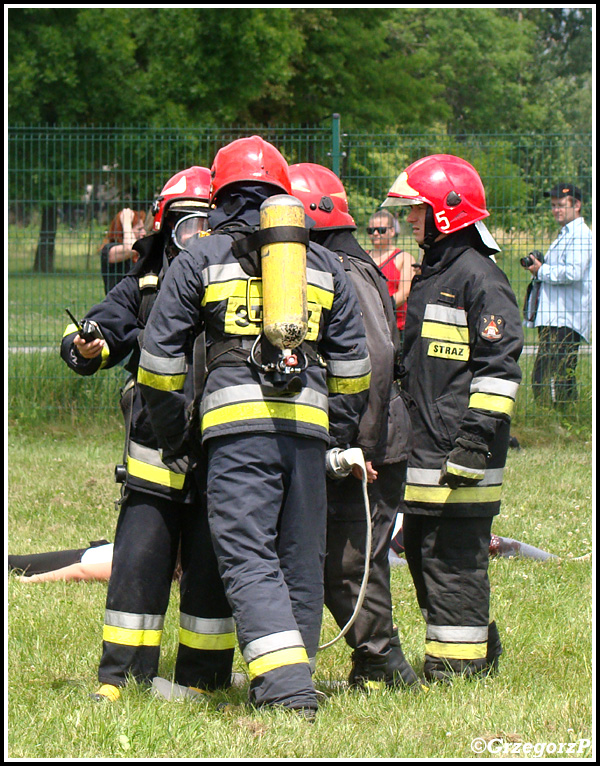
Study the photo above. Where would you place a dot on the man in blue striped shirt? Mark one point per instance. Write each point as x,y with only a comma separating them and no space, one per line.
565,300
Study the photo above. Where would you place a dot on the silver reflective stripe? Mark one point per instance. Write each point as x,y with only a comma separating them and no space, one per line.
321,279
438,313
430,477
353,369
131,621
223,272
463,470
286,639
146,455
252,393
494,386
162,365
206,626
457,634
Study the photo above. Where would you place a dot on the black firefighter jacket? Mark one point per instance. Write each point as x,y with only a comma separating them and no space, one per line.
121,316
385,431
463,339
207,288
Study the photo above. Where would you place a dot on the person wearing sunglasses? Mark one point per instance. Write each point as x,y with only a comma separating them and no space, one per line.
395,263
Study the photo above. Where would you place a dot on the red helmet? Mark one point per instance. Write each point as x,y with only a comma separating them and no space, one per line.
322,194
187,193
449,184
249,159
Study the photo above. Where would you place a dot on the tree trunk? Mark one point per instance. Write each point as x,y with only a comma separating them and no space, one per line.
44,254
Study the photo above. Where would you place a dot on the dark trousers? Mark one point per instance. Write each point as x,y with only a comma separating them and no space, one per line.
267,506
149,532
345,561
448,560
553,379
39,563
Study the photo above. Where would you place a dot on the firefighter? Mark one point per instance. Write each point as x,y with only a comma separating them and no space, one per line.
384,437
265,430
462,344
160,505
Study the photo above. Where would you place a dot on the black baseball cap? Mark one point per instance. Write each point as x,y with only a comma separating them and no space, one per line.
564,190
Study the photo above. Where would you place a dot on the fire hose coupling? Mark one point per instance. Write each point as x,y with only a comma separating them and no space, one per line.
339,462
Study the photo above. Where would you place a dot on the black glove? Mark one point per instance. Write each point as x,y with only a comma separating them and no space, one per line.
465,465
178,462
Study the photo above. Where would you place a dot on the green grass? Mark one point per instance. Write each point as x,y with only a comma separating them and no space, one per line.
60,495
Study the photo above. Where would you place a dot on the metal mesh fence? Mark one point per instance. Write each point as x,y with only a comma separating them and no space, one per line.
66,184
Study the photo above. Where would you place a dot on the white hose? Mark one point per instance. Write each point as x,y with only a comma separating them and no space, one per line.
355,457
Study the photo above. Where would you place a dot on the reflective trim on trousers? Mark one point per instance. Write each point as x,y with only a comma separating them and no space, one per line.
132,629
207,634
439,650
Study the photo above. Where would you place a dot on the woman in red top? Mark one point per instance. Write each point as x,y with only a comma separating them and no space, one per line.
396,264
116,253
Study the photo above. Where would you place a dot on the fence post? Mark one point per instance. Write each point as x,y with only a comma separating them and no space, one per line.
335,153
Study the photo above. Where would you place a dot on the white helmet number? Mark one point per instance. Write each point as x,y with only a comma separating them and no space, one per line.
442,221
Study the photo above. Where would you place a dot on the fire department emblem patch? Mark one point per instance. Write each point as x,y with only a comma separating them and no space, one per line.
492,327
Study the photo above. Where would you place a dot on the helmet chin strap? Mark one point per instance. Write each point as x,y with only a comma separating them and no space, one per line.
431,232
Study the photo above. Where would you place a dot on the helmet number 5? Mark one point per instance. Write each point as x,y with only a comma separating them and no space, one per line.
442,221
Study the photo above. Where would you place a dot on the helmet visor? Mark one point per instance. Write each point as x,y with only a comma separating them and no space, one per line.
187,226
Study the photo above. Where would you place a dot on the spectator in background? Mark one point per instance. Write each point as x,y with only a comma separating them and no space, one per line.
395,263
564,308
116,254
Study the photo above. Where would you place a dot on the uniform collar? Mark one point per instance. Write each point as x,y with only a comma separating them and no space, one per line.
445,251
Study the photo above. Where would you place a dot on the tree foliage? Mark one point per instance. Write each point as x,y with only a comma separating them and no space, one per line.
461,69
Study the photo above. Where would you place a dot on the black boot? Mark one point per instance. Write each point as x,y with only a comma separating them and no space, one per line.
368,671
494,649
398,670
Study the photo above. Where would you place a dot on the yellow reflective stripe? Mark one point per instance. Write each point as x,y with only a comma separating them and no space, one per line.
318,295
129,637
265,410
419,494
348,385
460,470
155,474
492,403
161,382
451,333
274,660
456,651
105,355
71,328
208,642
220,291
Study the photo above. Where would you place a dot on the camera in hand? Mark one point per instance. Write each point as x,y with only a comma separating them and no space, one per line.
529,258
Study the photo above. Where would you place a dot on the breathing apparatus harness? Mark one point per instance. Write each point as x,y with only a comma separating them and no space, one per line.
275,254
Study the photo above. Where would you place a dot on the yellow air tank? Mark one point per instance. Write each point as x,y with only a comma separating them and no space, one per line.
283,264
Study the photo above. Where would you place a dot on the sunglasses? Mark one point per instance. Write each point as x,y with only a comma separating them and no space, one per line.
378,229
